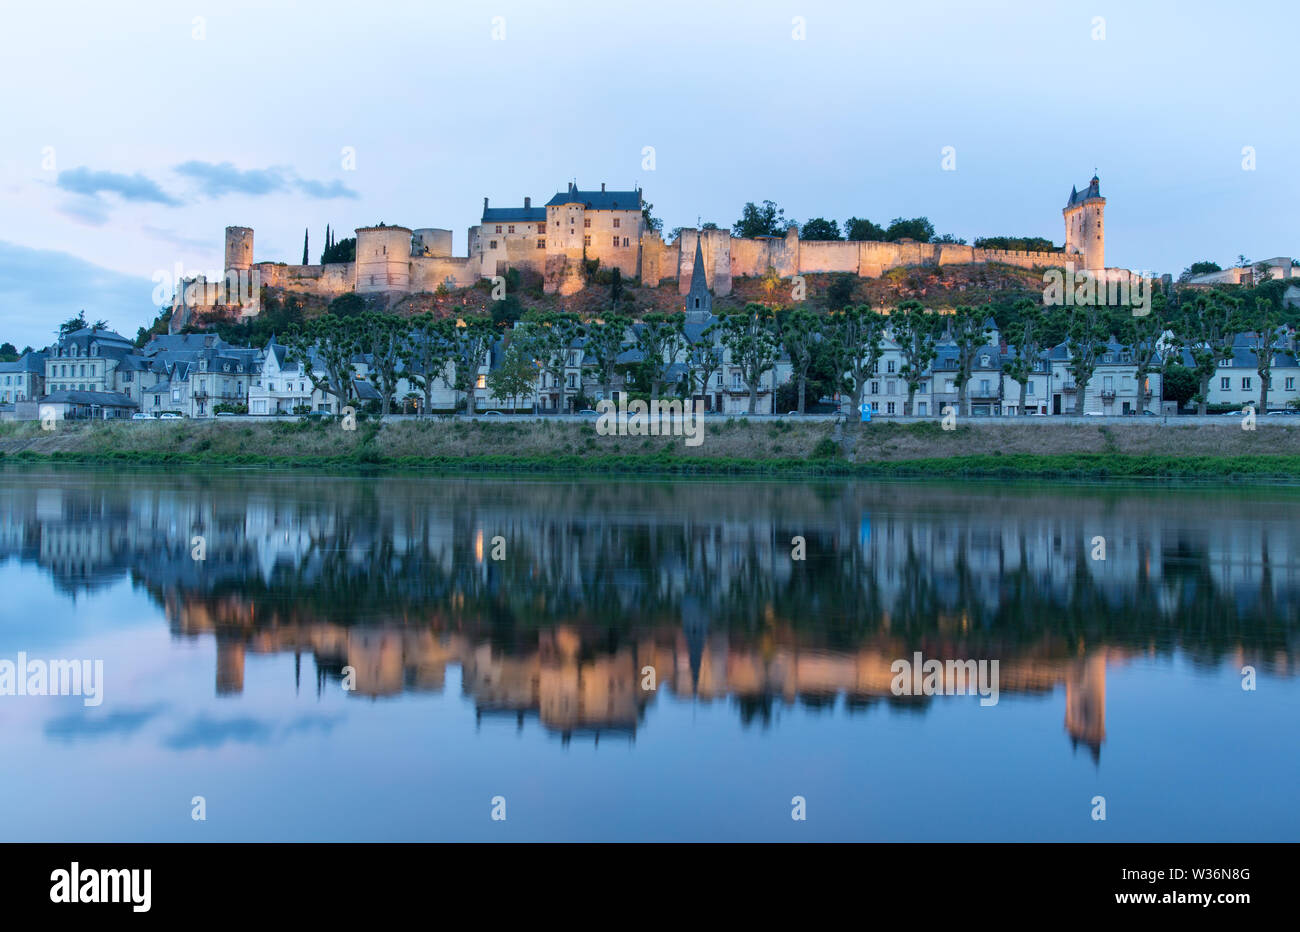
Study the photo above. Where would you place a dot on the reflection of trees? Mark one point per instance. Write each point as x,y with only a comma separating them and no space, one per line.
993,568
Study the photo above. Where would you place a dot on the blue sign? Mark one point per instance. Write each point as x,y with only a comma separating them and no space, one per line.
865,410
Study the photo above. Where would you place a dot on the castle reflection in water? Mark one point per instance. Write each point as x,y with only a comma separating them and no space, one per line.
394,577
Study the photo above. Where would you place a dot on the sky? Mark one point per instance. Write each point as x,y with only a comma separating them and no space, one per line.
134,135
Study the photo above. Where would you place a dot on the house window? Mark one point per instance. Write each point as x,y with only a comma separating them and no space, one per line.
891,387
889,407
875,388
735,380
1245,385
482,382
890,367
718,381
984,361
984,386
1225,384
1290,383
1029,387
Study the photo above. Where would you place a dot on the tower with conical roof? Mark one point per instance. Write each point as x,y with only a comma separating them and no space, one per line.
699,302
1084,233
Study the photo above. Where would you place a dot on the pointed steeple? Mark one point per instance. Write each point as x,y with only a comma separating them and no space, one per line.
699,261
699,303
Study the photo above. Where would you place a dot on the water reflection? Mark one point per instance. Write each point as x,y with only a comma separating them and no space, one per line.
395,578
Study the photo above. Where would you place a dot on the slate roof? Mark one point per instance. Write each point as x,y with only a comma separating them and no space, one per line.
27,362
104,399
514,214
1093,190
598,200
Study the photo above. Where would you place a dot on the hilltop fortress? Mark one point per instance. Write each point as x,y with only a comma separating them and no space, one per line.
575,225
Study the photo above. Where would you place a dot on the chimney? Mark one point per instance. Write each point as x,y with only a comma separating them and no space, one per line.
602,187
485,203
528,202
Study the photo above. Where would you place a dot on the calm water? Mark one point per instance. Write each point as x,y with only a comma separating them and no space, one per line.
522,677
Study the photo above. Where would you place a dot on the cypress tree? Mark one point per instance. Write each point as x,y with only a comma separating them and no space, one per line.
305,260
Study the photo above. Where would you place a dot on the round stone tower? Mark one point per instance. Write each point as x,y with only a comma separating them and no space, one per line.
1085,234
383,259
239,248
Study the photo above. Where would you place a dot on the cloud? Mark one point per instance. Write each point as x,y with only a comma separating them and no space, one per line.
218,179
122,723
39,288
135,187
86,209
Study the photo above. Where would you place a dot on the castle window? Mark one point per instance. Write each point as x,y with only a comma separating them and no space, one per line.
697,302
616,221
541,244
498,229
492,244
586,241
541,228
625,241
511,229
616,241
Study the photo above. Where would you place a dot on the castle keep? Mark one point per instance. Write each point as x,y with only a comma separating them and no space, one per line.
553,240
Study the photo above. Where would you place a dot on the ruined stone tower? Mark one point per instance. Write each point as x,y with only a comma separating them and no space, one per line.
239,248
1084,234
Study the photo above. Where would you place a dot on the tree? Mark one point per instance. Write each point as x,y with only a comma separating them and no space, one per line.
1204,328
1257,319
968,333
768,220
471,338
551,336
660,338
516,375
8,352
653,224
916,331
305,259
799,331
819,228
382,337
918,228
1025,337
615,284
855,341
861,230
349,304
324,348
839,293
1141,336
1179,384
603,346
1015,243
1199,268
704,357
750,337
344,250
949,239
425,354
1086,334
73,324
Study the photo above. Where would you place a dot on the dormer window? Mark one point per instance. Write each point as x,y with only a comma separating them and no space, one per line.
984,360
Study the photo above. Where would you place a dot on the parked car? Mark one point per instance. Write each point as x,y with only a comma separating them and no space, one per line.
169,416
491,413
143,416
588,412
226,414
792,414
1093,414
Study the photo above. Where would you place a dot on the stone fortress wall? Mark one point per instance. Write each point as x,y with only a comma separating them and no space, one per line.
401,260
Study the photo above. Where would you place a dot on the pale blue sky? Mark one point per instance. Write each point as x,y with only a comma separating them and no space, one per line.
160,140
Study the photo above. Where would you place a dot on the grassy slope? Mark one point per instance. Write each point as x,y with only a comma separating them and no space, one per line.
735,447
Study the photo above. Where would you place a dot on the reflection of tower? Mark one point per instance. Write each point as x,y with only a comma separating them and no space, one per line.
230,667
695,625
1085,702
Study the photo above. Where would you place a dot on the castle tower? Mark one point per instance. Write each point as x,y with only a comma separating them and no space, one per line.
1084,233
239,248
699,303
383,259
